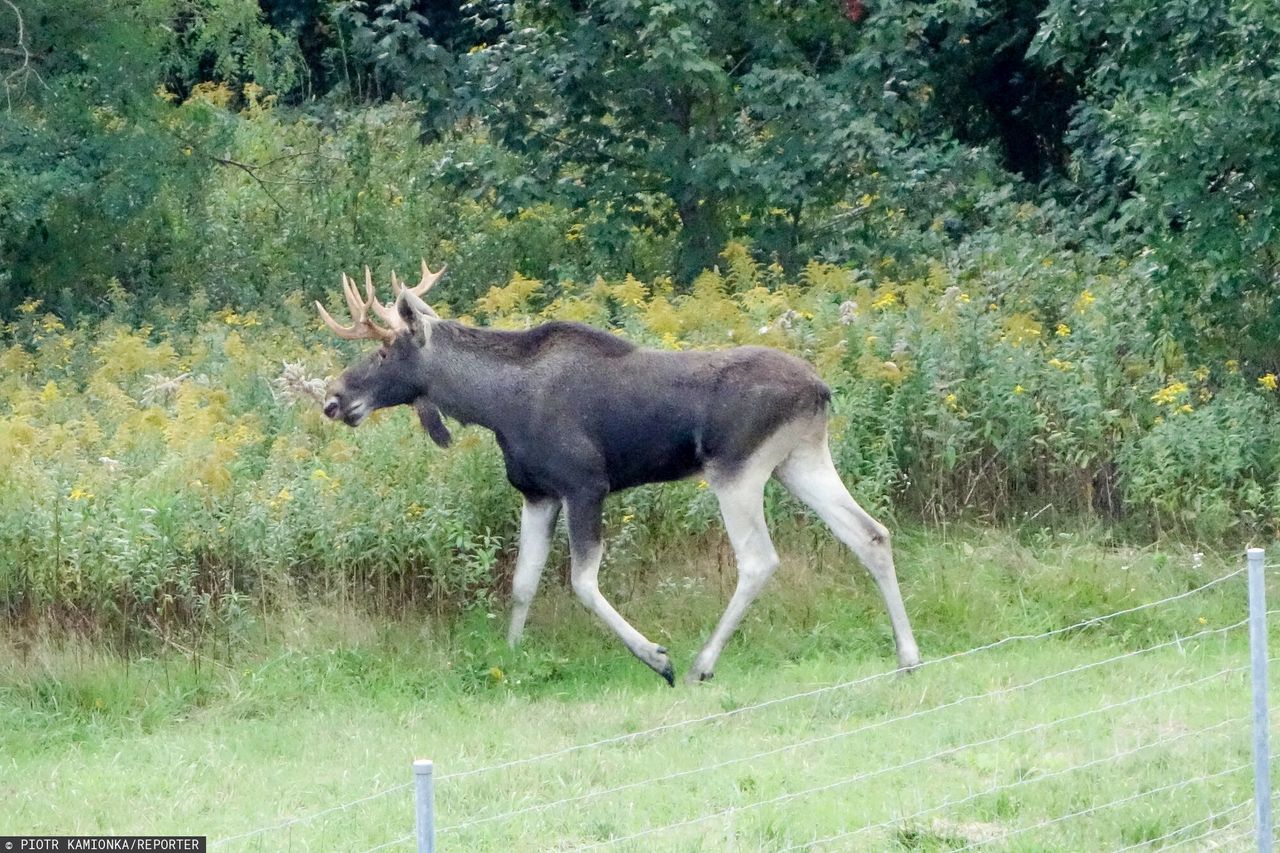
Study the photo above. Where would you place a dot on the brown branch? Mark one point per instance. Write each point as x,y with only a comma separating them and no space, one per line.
248,170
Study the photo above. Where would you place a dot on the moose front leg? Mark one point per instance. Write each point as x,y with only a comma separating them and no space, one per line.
537,523
586,549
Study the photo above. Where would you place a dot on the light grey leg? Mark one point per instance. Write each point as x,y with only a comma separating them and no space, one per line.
811,475
742,507
586,548
537,523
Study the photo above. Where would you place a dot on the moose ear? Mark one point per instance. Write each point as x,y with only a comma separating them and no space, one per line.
417,315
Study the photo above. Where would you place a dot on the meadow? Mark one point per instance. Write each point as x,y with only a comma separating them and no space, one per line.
323,704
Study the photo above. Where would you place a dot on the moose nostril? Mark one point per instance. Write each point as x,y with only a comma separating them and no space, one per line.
331,408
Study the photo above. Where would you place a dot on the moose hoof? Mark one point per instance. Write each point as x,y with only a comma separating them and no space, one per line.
697,677
659,662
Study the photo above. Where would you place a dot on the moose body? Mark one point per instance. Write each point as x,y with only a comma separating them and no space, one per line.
579,413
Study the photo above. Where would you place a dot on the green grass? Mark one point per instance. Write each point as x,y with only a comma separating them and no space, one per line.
321,705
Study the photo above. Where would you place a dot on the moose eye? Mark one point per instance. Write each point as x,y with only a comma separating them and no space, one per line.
382,355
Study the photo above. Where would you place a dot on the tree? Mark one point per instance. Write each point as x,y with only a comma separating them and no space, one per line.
690,114
1173,153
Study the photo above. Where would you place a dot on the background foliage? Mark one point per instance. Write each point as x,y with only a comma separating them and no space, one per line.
1030,245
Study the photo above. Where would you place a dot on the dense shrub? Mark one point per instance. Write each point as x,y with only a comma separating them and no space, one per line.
178,473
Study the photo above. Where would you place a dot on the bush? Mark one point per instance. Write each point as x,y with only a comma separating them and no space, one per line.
164,476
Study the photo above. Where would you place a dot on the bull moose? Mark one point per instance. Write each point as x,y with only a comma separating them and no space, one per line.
579,413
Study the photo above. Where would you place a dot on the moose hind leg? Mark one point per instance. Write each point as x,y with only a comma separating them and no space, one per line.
811,476
586,549
742,508
537,523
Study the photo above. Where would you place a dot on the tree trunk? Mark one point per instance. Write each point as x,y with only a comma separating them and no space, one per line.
702,236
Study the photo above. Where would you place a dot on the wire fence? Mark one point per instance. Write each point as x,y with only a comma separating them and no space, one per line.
1221,810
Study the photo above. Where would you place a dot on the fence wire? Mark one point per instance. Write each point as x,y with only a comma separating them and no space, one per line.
1212,816
819,691
1173,786
871,774
844,685
842,836
293,821
849,733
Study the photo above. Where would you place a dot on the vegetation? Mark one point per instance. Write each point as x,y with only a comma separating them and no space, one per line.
324,705
997,229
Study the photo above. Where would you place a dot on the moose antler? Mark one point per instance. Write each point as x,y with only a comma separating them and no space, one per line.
362,328
429,280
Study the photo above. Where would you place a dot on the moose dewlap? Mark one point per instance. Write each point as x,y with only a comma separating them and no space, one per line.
579,413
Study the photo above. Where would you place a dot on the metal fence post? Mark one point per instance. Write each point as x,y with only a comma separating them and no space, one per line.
1258,653
424,798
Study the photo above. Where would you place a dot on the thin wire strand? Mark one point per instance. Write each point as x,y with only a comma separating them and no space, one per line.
997,788
871,774
994,789
1019,783
1212,816
832,687
308,818
397,842
1099,807
1213,830
831,737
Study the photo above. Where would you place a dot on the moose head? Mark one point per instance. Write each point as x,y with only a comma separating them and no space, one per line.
389,376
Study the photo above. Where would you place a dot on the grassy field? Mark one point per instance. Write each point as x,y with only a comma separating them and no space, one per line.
323,705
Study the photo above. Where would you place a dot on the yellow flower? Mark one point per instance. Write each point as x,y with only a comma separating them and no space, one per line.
702,484
1169,394
1232,366
1201,373
885,300
415,510
1203,621
1018,389
628,518
1059,364
497,674
1063,330
80,494
950,400
1084,300
1268,381
1184,409
319,474
31,306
